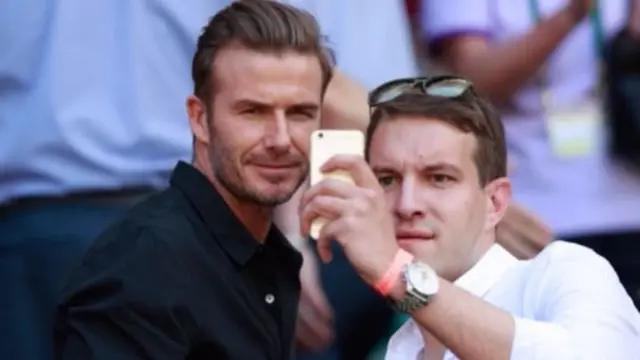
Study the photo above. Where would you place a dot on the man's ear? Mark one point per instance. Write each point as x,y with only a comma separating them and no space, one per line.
198,119
498,193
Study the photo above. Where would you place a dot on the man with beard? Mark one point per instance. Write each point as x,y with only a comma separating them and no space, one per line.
199,271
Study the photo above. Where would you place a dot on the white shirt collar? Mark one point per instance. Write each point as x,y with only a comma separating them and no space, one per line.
478,280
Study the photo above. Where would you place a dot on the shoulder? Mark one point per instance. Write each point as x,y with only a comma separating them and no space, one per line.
138,254
561,261
572,276
564,255
161,222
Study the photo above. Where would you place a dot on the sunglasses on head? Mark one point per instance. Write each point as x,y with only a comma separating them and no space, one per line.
449,86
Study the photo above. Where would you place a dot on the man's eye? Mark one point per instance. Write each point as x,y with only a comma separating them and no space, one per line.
385,180
302,116
442,178
251,111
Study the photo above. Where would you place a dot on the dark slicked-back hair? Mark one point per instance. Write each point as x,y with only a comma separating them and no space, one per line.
260,25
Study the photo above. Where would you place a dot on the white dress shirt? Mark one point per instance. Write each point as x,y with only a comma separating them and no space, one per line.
567,303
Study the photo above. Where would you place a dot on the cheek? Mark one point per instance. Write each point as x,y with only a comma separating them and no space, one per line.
456,205
238,136
390,197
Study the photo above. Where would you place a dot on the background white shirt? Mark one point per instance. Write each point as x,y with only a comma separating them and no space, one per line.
567,304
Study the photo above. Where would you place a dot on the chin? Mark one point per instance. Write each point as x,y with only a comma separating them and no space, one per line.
276,195
425,250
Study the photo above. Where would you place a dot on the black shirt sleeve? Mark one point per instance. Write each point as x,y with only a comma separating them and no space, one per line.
125,301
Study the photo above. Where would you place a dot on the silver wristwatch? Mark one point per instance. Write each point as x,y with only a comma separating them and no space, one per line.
422,284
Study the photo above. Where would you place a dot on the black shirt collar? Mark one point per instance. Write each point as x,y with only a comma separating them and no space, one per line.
229,232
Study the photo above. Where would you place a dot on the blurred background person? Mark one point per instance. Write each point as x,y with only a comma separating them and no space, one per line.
92,120
623,90
540,62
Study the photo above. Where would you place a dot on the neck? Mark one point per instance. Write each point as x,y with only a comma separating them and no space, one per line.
434,348
255,218
483,245
486,241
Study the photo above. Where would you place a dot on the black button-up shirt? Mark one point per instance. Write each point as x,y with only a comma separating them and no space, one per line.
179,277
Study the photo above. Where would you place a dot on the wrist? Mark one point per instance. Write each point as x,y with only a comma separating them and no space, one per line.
399,290
390,272
415,289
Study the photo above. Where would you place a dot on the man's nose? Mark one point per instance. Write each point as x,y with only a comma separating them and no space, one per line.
408,202
278,137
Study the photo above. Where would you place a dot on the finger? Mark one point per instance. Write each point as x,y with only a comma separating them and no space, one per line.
329,233
321,206
356,166
330,187
323,243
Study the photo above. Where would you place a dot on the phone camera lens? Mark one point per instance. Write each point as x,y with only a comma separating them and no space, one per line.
320,135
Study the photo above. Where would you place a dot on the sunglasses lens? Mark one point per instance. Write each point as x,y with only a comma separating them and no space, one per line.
449,88
392,92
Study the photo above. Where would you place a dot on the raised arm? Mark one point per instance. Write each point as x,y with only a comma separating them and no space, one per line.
461,40
582,313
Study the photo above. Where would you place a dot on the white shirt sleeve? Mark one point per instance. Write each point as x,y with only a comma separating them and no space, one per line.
587,313
444,18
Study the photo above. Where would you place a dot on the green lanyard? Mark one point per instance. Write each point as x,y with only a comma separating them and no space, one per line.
596,20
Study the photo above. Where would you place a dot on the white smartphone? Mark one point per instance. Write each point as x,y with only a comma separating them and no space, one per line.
326,144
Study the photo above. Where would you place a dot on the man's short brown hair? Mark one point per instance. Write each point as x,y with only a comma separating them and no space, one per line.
260,25
470,113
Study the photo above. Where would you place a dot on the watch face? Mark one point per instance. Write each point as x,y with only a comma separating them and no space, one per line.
423,278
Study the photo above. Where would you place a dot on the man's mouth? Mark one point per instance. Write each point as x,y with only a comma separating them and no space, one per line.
414,234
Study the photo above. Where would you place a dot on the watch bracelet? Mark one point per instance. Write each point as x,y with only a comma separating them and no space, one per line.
411,301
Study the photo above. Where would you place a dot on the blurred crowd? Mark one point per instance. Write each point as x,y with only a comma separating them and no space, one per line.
92,119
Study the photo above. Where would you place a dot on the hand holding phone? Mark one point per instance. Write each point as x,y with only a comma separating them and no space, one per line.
326,144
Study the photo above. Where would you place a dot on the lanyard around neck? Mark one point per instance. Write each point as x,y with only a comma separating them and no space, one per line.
596,19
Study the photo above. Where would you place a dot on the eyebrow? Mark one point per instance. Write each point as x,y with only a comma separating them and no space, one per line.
441,166
249,103
382,169
304,106
436,167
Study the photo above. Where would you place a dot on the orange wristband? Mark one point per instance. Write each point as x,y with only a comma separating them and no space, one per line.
390,277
